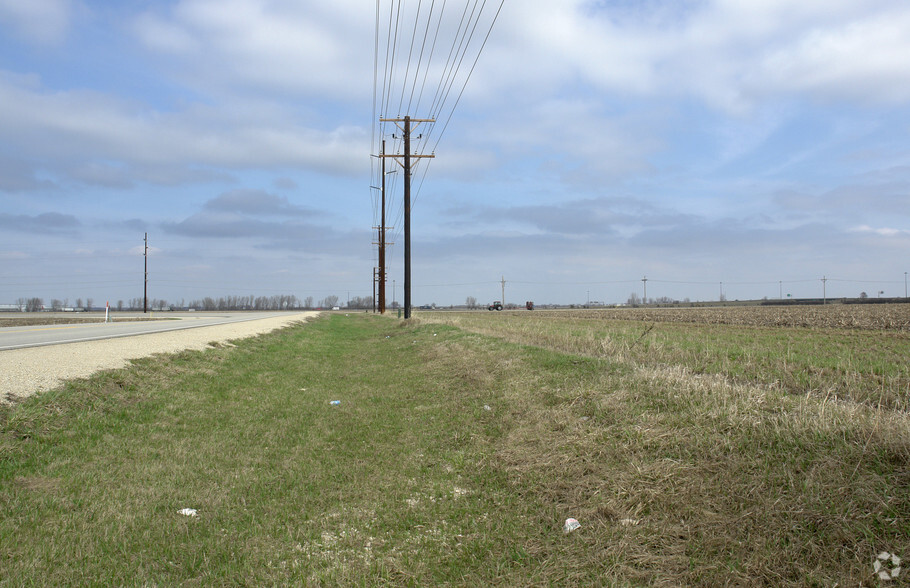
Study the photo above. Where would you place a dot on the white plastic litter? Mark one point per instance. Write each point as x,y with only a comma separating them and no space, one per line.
487,407
571,525
887,566
188,512
335,402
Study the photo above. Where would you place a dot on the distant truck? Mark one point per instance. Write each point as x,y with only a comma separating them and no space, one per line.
497,305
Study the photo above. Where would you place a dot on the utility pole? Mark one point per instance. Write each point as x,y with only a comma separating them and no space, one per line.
145,283
406,130
824,290
503,291
905,284
382,241
644,282
380,274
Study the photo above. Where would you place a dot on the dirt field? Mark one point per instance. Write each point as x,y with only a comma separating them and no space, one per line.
851,316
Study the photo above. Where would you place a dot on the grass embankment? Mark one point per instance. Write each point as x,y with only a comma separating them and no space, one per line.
676,478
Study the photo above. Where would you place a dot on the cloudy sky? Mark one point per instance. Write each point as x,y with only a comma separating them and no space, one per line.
749,147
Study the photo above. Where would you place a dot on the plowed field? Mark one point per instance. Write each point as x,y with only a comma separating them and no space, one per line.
851,316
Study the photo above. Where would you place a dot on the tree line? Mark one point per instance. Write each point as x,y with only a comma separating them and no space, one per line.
276,302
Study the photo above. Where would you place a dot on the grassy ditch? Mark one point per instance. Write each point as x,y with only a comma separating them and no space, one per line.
453,458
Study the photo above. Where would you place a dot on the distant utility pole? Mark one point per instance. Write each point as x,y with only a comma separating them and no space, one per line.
503,291
824,289
406,131
145,286
644,282
380,277
380,274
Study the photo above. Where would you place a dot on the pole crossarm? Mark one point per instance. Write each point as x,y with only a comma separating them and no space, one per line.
395,156
409,131
401,120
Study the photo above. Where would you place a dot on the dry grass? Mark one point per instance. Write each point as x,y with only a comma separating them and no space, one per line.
685,478
854,364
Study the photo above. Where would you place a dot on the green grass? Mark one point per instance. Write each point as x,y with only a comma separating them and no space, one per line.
452,459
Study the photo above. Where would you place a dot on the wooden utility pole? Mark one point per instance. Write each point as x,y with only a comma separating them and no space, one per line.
380,274
145,283
406,131
503,299
382,240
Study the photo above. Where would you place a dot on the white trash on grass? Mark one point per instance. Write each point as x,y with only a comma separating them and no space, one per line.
570,525
188,512
334,402
883,562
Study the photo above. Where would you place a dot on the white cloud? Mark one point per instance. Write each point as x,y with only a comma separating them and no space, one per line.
303,47
732,54
13,255
861,59
41,22
161,35
881,231
75,126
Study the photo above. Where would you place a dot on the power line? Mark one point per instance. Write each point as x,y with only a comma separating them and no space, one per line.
461,93
407,69
403,79
470,73
423,45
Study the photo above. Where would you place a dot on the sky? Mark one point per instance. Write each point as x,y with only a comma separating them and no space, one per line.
744,148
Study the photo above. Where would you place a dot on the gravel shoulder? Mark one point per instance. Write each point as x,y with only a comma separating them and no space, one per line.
24,372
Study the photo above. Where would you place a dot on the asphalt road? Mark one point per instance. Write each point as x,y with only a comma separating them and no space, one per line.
39,335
